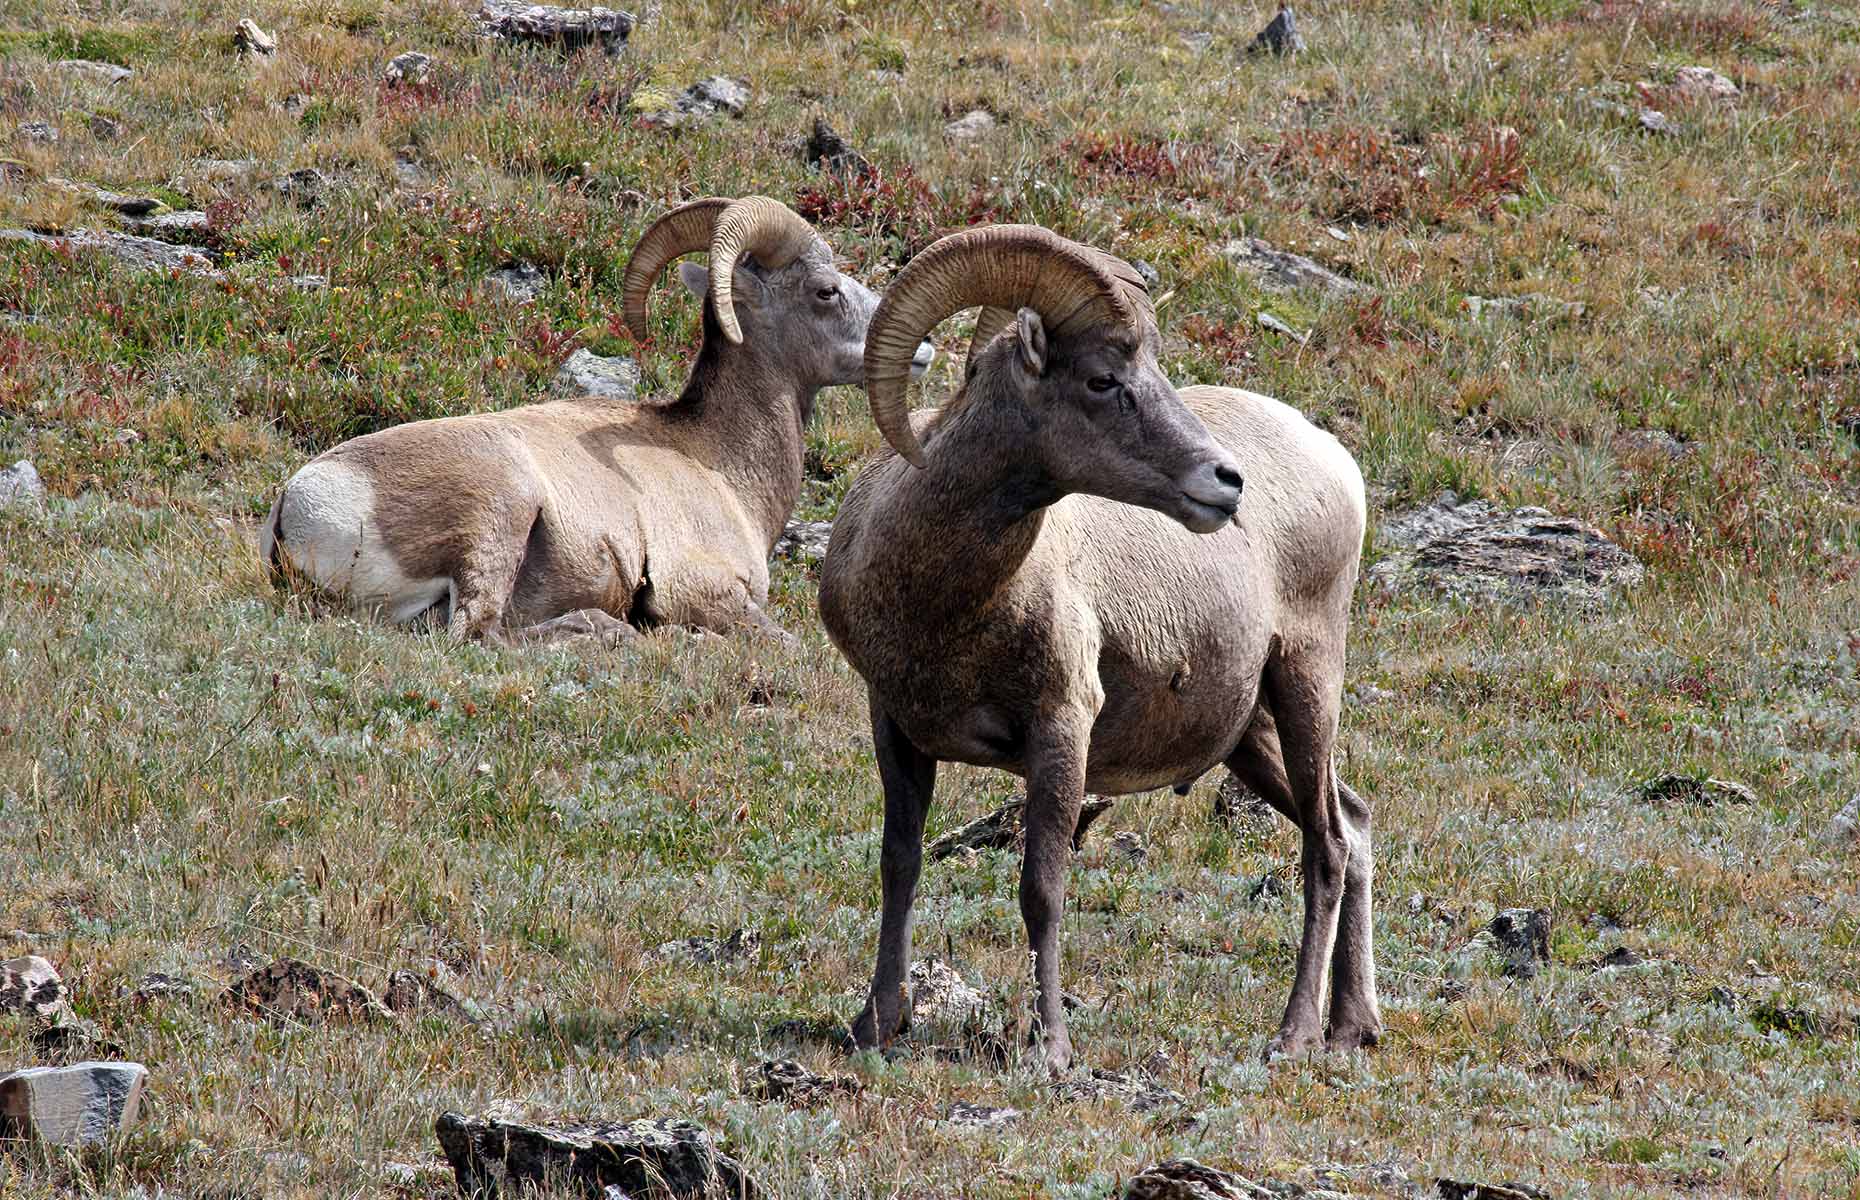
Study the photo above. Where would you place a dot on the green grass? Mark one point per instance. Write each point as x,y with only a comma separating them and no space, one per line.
192,763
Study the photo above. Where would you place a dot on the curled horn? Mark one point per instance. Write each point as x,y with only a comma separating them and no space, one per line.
1003,268
768,229
685,229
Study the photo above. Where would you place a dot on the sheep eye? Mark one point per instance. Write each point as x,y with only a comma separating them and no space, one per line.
1102,383
828,293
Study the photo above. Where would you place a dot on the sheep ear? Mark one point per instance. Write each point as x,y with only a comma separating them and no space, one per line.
695,277
1030,334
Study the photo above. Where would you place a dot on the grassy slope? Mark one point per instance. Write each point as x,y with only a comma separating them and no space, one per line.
189,763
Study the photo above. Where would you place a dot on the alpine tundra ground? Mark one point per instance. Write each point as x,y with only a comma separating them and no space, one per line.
197,770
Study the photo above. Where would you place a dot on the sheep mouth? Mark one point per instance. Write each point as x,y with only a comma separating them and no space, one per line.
921,360
1203,516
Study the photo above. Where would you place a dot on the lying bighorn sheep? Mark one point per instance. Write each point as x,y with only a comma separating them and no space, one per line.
592,515
1055,576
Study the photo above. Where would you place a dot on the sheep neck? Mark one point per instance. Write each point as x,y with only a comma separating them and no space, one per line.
745,417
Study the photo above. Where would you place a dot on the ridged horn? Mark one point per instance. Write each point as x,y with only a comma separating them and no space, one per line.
682,231
768,229
988,323
1000,267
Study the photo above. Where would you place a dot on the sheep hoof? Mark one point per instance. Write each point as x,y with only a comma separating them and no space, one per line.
1348,1037
1292,1043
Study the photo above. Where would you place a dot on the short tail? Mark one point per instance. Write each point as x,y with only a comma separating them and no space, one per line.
271,538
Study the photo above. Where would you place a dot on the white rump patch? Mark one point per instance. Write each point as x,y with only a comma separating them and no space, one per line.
326,518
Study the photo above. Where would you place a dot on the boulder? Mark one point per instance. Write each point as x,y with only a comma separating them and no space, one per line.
971,126
1285,271
1522,935
1001,829
589,374
645,1160
136,253
1280,36
79,1105
565,29
1473,551
293,990
248,38
411,69
101,72
803,541
19,484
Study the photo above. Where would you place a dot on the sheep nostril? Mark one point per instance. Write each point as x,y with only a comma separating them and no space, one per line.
1229,476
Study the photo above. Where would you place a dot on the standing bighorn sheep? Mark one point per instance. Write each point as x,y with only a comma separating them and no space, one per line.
592,515
1055,576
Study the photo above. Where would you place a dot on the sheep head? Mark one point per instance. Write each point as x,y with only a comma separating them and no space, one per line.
1068,340
770,280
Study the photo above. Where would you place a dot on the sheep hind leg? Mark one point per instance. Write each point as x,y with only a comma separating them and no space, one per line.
1355,1020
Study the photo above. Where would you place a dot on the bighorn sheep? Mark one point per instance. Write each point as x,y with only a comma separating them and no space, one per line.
590,515
1055,576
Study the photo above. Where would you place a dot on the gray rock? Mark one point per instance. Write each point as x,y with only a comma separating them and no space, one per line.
1283,270
803,541
189,226
940,996
1267,321
741,944
104,129
565,29
589,374
19,484
981,1116
785,1079
1692,789
971,126
31,984
1280,36
80,1105
310,283
1187,1179
1533,306
1128,845
43,132
305,187
136,253
1237,804
217,172
410,69
826,150
293,990
409,993
518,282
248,38
1845,826
656,1158
158,985
1620,956
1654,441
1474,551
1134,1093
1655,121
1150,275
1001,829
703,100
1457,1189
100,71
1522,935
1703,83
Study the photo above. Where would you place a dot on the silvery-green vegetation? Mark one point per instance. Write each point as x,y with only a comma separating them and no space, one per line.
198,769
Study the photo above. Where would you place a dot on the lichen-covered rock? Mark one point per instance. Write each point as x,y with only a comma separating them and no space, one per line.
1284,270
1001,829
79,1105
293,990
1280,36
1471,550
589,374
20,484
136,253
1703,83
306,187
940,996
803,541
562,28
1522,936
740,944
411,69
42,132
785,1079
1693,789
409,993
31,984
1187,1179
704,99
981,1116
1135,1093
519,282
645,1160
1533,306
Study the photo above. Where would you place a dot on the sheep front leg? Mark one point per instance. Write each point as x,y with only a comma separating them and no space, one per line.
909,778
1055,793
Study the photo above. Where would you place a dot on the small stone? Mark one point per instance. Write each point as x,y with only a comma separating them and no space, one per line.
803,541
1621,956
1187,1179
1655,442
307,187
1283,270
1138,1095
1280,36
702,100
409,993
1844,827
565,29
1534,306
829,152
19,484
310,283
1269,888
80,1105
43,132
159,986
742,943
785,1079
30,984
1267,321
1149,274
668,1159
100,71
1654,121
1001,829
518,282
981,1116
411,69
104,129
589,374
1454,1189
1128,845
972,126
293,990
1523,937
1693,789
248,38
1703,83
939,994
